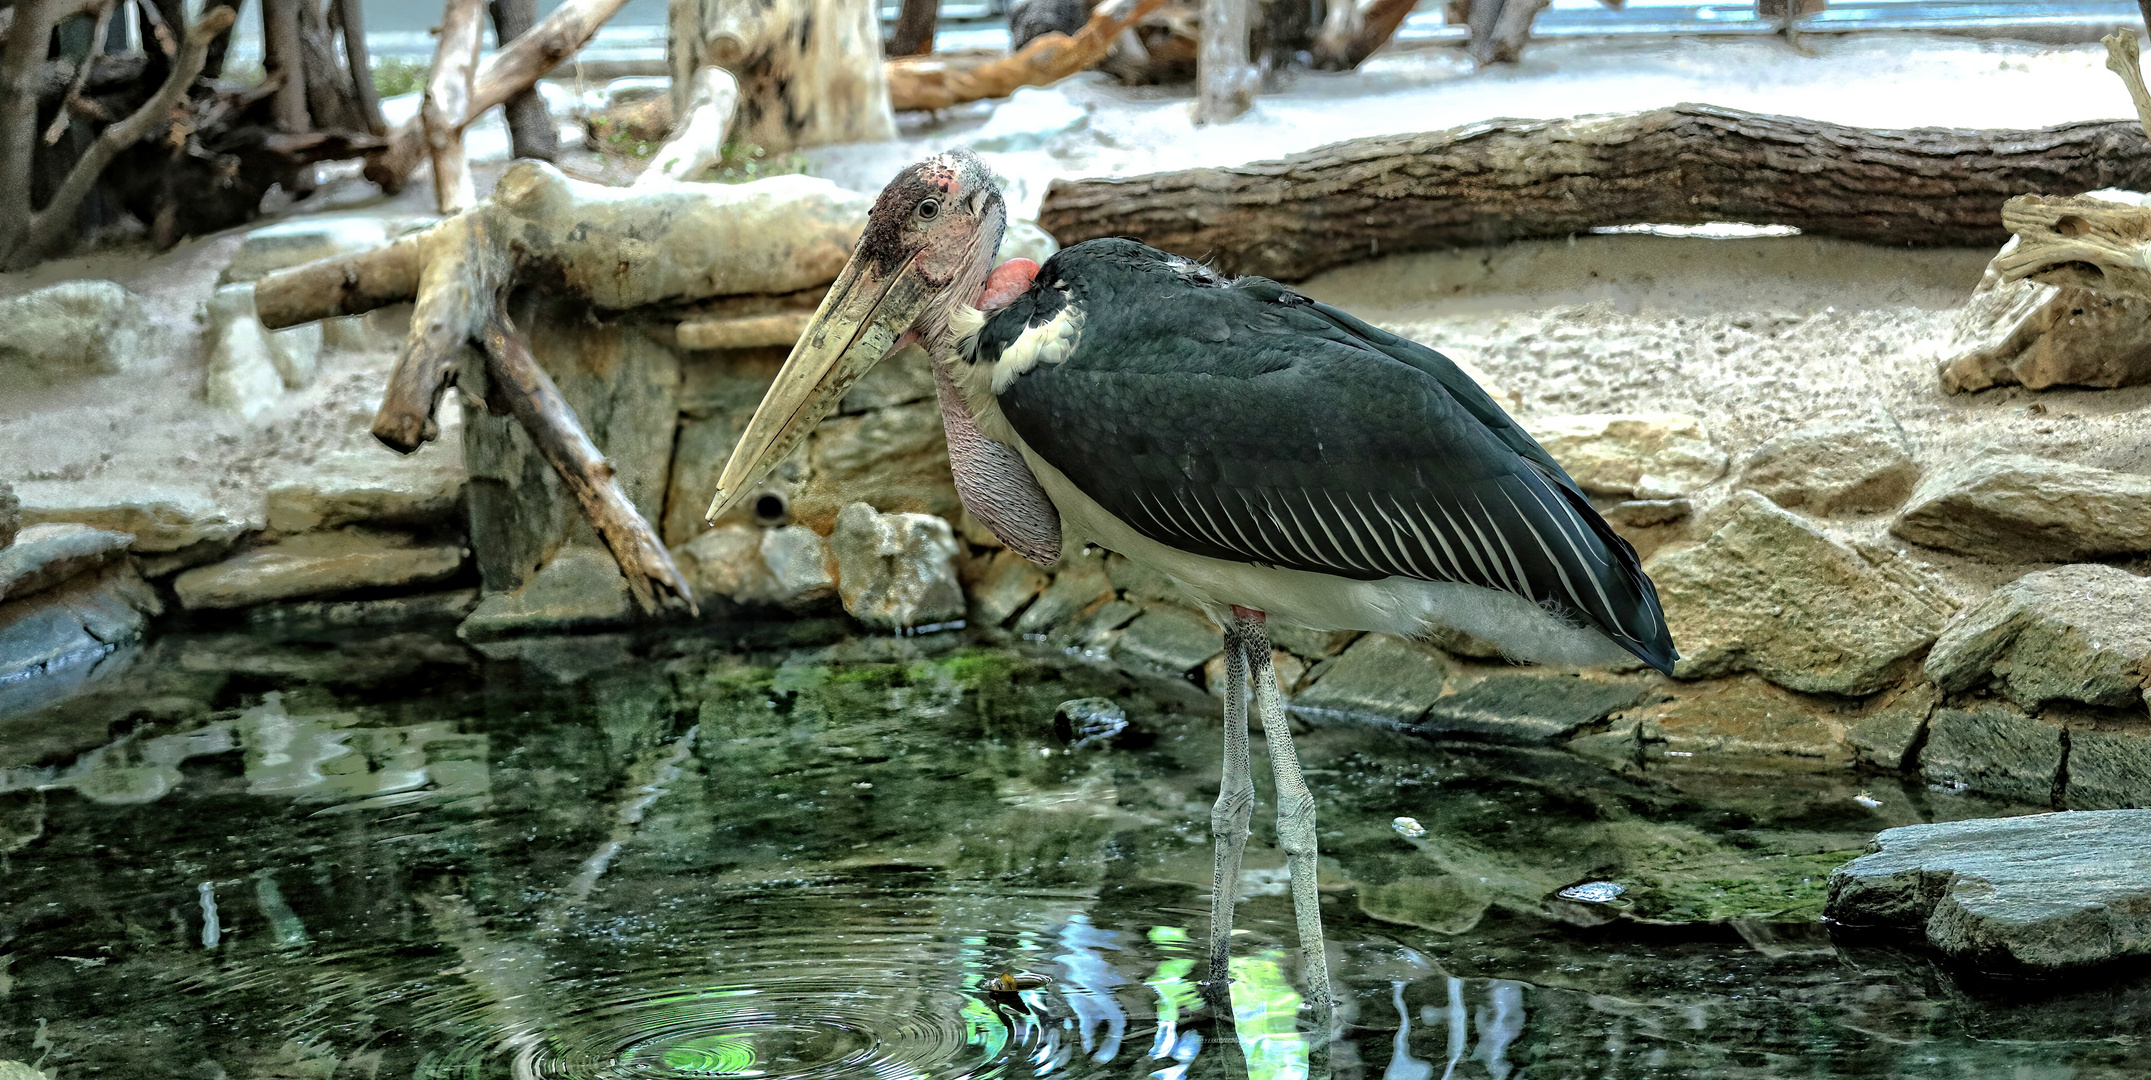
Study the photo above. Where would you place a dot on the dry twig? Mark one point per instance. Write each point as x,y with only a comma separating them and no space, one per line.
925,84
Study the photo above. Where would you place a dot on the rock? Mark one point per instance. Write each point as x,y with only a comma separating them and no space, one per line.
2108,769
46,555
1028,120
1742,716
900,379
1290,670
1097,630
161,519
1449,904
897,457
79,621
1311,644
896,571
317,564
1644,513
704,445
2039,335
1637,455
1520,708
243,376
1140,583
373,488
291,243
10,514
1770,592
2018,508
798,560
71,330
1859,463
1005,583
2078,633
579,590
727,561
1168,641
1380,679
1079,583
2042,894
1885,738
1995,750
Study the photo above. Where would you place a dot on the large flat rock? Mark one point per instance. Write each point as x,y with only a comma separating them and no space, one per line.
1856,463
80,620
1381,679
1770,592
2019,508
160,517
2076,633
317,564
2042,894
1527,707
46,555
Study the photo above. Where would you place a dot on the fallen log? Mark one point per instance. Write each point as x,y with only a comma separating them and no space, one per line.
925,84
1503,180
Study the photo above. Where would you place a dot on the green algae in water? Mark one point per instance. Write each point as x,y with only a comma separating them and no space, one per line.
696,862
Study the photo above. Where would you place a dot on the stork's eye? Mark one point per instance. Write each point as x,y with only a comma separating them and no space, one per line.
929,209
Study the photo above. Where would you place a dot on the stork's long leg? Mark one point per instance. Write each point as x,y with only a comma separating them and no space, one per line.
1228,822
1295,807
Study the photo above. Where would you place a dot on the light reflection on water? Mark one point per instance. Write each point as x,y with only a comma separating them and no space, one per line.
709,864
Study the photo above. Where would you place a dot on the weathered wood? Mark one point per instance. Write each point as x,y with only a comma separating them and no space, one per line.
531,132
810,71
1048,58
47,227
350,19
82,72
448,102
1504,180
698,140
512,69
914,32
652,578
1225,75
1499,29
1375,25
284,59
331,99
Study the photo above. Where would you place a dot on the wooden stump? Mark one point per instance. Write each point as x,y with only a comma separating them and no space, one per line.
1225,75
809,71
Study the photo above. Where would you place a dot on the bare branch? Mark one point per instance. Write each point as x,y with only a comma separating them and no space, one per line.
2122,59
651,575
82,72
447,102
1049,58
56,220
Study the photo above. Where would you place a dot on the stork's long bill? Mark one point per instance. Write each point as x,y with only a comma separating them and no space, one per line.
928,245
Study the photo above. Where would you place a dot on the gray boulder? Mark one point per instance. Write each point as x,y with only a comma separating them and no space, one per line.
46,555
2042,894
579,590
896,571
1379,678
1847,464
2018,508
1995,750
798,560
79,621
2077,633
1771,592
70,330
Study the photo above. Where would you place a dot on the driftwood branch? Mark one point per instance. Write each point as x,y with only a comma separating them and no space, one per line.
512,69
351,22
448,102
56,221
82,72
697,141
530,394
1225,75
930,84
1344,44
680,245
1504,180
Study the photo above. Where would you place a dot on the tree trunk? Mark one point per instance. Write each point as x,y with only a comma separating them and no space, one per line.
914,35
351,18
1504,180
531,133
810,71
1225,77
283,57
331,99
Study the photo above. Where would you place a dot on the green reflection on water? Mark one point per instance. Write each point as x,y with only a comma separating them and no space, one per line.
730,1054
1265,1015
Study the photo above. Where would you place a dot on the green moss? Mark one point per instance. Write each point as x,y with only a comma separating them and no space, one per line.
1770,888
396,75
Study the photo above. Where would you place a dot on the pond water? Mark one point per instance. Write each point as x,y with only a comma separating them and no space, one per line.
378,854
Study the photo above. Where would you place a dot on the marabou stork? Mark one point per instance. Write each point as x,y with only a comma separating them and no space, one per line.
1273,456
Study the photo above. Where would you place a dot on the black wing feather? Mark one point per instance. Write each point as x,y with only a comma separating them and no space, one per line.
1242,421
